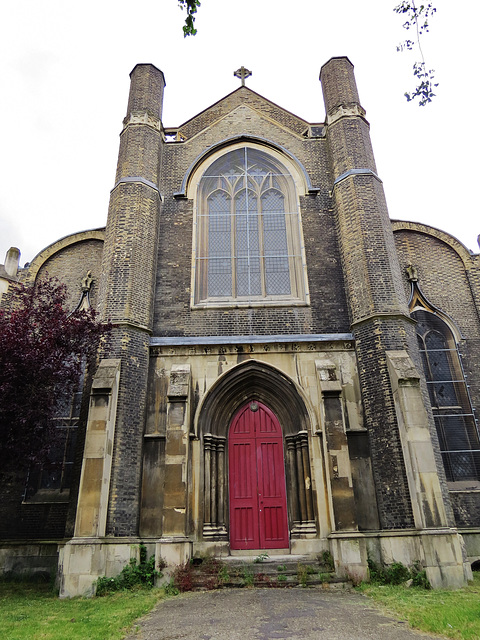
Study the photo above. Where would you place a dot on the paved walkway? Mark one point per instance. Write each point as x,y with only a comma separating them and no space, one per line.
270,614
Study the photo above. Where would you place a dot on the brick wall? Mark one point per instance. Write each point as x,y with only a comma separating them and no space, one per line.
250,116
446,273
70,266
123,512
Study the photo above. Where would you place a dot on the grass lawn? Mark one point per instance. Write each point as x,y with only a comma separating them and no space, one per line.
34,612
454,614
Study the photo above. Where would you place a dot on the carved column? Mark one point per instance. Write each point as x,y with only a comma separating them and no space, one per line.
207,444
214,487
292,468
213,484
300,490
301,483
221,483
307,481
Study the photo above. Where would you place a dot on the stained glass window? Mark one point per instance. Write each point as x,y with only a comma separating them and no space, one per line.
248,231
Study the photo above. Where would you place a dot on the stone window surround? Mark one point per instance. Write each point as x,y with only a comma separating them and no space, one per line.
300,294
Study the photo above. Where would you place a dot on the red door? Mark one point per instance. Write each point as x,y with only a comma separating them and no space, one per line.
258,505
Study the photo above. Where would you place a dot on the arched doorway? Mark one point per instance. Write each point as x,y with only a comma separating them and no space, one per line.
257,492
261,383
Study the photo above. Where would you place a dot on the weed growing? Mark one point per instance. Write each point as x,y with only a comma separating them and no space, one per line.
248,578
324,577
171,589
398,573
303,571
261,557
327,560
215,574
134,575
182,578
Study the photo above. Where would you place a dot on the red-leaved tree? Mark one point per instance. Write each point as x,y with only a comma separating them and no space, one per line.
43,351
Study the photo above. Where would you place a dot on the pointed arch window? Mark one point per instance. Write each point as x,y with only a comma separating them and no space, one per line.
248,245
452,409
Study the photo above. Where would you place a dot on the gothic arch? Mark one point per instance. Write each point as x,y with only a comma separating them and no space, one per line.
248,244
302,179
461,250
257,381
59,245
449,396
419,302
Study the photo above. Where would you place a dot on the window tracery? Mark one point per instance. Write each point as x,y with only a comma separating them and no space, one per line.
248,247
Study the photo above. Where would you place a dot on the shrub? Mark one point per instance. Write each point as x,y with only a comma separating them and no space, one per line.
171,589
182,577
419,577
303,571
135,574
398,573
327,560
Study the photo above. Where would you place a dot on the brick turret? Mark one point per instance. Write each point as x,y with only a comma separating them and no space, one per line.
128,282
375,292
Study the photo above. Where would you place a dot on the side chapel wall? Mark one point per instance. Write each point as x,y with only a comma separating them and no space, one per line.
449,277
68,260
71,265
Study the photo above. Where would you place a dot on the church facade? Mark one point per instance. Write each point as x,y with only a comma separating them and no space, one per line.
289,369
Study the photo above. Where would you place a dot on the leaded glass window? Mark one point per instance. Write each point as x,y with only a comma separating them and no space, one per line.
52,480
452,409
248,231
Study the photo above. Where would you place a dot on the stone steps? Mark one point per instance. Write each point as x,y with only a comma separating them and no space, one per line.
262,571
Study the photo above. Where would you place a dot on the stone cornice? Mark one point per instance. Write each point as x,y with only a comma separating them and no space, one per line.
345,111
140,180
356,172
383,316
250,344
143,118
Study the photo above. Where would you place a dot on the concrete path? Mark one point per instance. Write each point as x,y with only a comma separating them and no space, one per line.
270,614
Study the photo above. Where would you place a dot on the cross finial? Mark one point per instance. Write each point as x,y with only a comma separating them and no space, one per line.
242,73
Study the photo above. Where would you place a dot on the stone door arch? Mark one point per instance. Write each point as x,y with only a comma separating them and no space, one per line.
254,382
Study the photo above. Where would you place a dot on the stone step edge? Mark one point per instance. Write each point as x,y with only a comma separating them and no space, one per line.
273,569
337,585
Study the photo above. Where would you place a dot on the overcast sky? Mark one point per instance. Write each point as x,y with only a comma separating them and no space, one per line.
65,78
